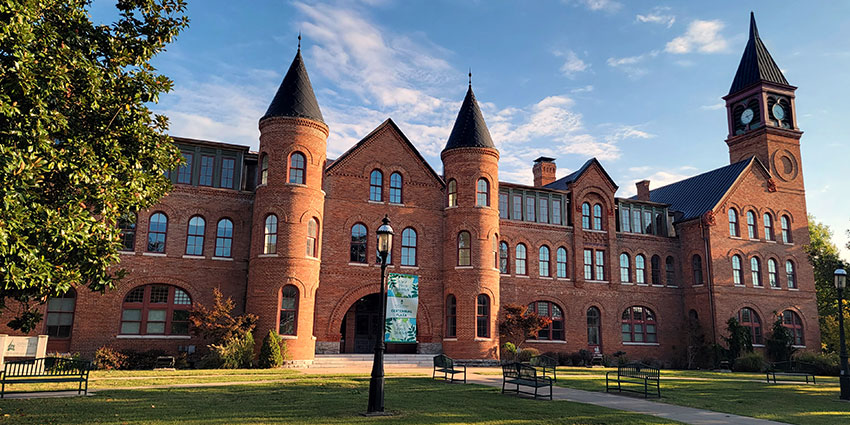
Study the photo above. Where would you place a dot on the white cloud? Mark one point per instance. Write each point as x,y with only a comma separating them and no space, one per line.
573,64
586,89
713,107
701,36
603,5
658,15
656,179
631,65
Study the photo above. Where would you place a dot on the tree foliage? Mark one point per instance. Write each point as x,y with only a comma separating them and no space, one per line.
780,343
79,146
519,324
217,323
739,340
270,353
824,257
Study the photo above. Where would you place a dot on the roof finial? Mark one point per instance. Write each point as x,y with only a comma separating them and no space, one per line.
470,77
754,31
299,41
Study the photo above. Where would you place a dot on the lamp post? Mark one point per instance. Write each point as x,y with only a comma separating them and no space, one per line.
376,383
844,378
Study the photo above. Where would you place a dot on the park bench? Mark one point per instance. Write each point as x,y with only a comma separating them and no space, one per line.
635,373
791,368
545,364
446,365
48,369
523,375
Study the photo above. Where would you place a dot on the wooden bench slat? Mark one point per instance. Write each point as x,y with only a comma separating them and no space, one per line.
48,369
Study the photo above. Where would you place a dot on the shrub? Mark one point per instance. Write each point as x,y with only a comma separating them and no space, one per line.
652,362
108,358
235,352
780,342
509,352
586,357
823,363
749,362
217,323
142,360
562,358
575,359
739,341
527,353
270,356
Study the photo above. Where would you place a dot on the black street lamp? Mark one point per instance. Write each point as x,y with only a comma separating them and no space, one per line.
376,384
844,378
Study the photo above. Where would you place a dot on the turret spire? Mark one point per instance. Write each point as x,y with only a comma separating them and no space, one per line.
295,97
756,63
470,130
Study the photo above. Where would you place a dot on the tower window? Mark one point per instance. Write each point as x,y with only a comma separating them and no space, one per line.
451,317
264,169
482,194
640,269
270,235
464,249
790,275
755,267
737,272
772,276
503,258
585,216
482,317
752,231
597,217
288,310
625,268
408,247
313,238
452,191
297,168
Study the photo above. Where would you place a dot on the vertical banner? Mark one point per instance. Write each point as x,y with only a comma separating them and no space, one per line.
402,303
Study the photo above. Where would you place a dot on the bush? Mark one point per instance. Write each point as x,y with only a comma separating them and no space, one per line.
509,352
575,359
142,360
750,362
235,352
270,356
824,364
526,354
108,358
562,358
652,362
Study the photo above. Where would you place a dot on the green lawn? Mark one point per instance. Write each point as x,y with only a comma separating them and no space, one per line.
722,392
316,400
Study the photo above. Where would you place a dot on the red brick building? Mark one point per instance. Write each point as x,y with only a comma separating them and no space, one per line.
290,236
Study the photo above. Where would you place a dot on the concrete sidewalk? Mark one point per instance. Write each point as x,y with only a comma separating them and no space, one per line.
687,415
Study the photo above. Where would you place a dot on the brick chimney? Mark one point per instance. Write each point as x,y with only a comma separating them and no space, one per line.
643,190
544,171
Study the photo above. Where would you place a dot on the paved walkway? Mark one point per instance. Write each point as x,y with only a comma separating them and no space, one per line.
687,415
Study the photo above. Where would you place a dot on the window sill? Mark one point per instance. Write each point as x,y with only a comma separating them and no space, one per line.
409,267
376,202
463,267
758,345
126,253
626,283
358,264
642,284
736,238
770,241
522,276
788,243
295,184
388,265
740,286
288,337
758,286
545,277
698,286
798,346
565,279
449,339
153,337
154,254
793,289
482,339
194,257
775,287
545,341
312,258
266,255
642,343
596,281
451,207
595,231
223,258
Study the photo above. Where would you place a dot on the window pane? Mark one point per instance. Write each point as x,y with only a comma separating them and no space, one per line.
156,328
159,294
503,205
543,217
131,315
517,213
556,210
156,315
184,172
206,176
130,327
529,208
227,169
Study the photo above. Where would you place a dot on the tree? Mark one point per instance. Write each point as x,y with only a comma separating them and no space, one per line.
218,323
739,340
79,146
780,342
824,258
519,324
270,355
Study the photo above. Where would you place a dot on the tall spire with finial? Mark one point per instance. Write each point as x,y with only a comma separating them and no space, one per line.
299,41
470,77
295,97
470,130
756,63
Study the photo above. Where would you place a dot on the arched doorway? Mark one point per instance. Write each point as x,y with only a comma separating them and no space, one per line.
359,326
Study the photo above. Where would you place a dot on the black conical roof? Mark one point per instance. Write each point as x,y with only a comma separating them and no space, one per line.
470,130
295,97
756,64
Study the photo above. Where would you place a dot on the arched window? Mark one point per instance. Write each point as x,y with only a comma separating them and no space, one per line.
597,217
195,236
594,325
670,269
264,169
451,317
737,270
157,229
585,216
60,315
772,276
127,227
792,321
452,191
752,231
482,193
751,320
790,275
395,188
376,186
358,244
270,235
288,310
768,227
408,247
697,269
785,222
733,223
639,325
656,270
520,257
464,249
156,310
755,267
223,237
555,330
625,268
313,238
543,261
561,262
482,316
297,168
503,258
495,251
640,269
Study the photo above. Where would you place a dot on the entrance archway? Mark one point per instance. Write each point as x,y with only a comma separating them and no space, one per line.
359,326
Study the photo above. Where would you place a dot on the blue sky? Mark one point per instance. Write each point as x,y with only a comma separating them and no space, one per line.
636,84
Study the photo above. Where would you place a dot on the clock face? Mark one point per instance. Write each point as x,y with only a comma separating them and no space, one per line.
747,116
778,112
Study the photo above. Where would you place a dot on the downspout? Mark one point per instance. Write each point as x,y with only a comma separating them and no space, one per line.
710,283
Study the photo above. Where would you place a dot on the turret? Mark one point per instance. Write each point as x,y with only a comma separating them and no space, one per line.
288,214
470,251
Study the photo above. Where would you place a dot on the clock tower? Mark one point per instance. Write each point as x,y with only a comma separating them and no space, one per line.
762,115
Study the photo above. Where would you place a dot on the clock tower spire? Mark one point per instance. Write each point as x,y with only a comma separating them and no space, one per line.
762,115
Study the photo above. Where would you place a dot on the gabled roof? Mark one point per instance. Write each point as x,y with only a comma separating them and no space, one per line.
756,63
470,130
699,194
564,182
387,123
295,97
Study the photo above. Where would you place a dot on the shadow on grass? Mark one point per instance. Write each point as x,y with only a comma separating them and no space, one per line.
310,401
